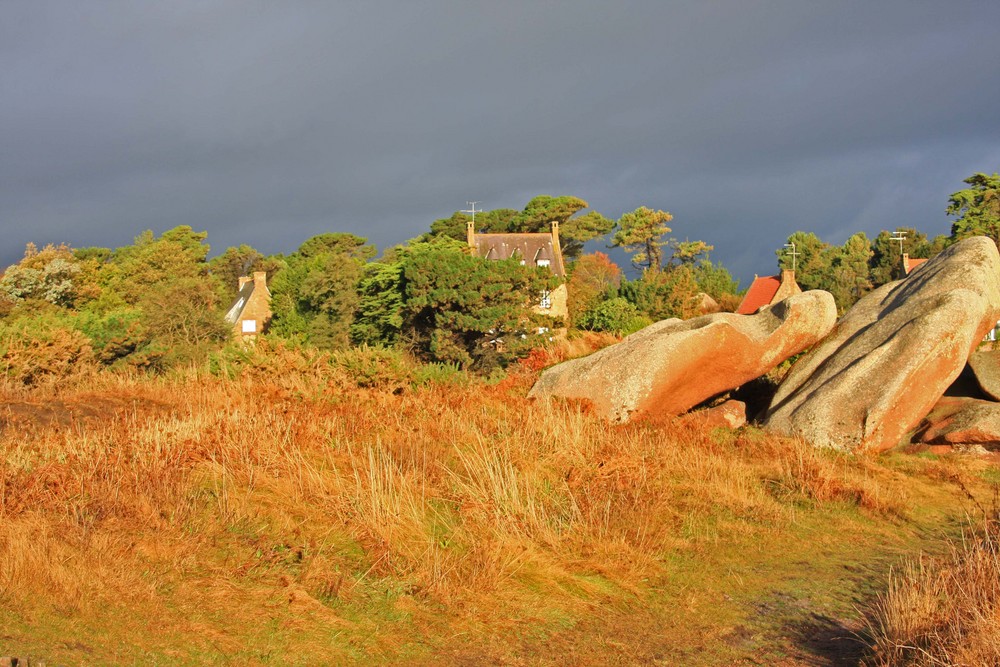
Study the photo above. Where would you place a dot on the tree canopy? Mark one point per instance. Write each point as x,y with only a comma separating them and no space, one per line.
537,216
593,275
449,305
851,270
642,233
977,208
236,262
160,300
316,294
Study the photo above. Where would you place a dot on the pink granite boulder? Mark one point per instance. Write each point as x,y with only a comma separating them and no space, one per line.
669,367
893,355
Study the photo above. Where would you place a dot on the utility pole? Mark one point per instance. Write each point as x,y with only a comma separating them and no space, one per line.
794,255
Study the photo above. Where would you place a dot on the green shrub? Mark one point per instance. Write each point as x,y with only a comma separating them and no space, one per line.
116,335
375,367
440,373
616,316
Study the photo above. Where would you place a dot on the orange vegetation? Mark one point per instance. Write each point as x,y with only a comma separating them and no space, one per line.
288,508
942,611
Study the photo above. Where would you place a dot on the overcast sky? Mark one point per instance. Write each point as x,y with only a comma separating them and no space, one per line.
268,123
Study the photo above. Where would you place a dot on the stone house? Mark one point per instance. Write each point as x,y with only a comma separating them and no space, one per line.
532,249
768,290
251,311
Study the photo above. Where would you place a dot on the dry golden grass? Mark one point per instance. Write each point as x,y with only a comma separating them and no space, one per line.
942,611
207,506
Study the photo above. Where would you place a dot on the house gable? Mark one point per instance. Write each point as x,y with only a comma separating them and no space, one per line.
534,249
768,290
251,311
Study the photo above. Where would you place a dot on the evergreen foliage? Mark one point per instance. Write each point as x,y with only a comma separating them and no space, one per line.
159,302
236,262
812,263
715,280
977,208
316,295
378,319
642,233
462,309
177,254
661,295
537,216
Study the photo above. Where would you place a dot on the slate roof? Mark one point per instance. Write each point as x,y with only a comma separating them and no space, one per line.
530,247
761,292
242,299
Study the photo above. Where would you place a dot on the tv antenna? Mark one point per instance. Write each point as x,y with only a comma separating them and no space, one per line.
900,236
794,255
472,210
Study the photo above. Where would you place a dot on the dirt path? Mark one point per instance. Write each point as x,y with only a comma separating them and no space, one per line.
21,414
796,604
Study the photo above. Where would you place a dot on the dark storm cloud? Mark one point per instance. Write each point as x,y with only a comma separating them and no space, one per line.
266,123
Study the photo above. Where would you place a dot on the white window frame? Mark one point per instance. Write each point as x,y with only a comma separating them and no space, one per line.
545,303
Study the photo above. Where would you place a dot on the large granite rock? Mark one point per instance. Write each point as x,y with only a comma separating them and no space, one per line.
671,366
892,356
957,420
986,368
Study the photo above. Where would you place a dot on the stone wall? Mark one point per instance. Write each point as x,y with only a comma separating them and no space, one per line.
558,304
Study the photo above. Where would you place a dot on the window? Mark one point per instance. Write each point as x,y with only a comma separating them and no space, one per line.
546,301
249,326
541,262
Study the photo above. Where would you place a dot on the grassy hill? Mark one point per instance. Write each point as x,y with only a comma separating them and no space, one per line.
294,510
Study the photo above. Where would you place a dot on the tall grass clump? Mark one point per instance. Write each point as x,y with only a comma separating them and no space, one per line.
944,610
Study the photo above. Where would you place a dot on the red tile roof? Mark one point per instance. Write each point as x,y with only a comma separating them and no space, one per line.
910,263
761,291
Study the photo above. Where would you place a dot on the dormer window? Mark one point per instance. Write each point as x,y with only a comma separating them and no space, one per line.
541,262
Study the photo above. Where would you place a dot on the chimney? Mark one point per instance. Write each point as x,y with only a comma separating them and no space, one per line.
244,280
470,233
556,247
260,280
787,276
